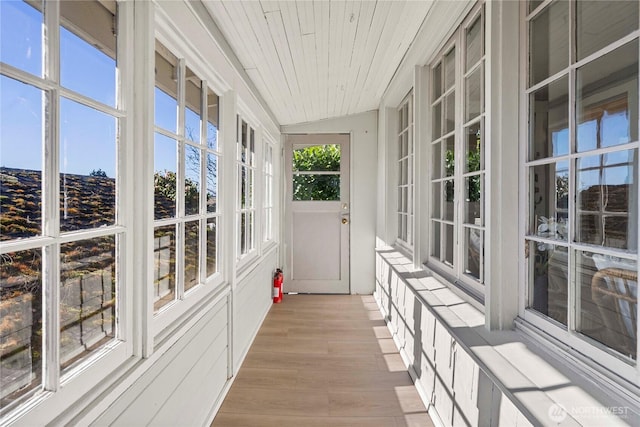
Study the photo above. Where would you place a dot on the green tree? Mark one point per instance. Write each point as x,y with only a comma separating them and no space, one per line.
99,173
317,158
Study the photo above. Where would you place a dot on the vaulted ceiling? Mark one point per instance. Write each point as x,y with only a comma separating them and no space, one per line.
313,60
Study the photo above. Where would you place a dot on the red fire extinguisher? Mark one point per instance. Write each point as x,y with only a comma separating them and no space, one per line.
277,286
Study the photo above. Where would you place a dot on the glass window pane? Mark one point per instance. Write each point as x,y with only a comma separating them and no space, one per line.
164,272
450,113
608,301
549,120
317,158
213,121
474,248
244,176
250,189
473,200
473,99
21,313
165,164
548,285
212,246
193,107
166,92
449,69
448,187
192,180
437,81
212,182
252,147
21,35
435,241
474,43
533,4
549,42
243,144
251,233
87,297
21,137
474,155
449,156
436,200
436,169
88,50
607,87
448,244
437,121
191,254
549,200
316,187
606,202
87,167
243,233
600,23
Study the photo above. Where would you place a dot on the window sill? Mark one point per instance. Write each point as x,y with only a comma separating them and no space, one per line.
532,374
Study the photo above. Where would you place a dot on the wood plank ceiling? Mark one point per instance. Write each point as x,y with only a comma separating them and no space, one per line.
313,60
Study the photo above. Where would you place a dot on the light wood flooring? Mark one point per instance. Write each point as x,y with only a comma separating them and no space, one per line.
323,361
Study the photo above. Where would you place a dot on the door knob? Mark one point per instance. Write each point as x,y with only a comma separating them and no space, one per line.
345,220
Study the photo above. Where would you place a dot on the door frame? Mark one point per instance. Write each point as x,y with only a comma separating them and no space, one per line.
316,138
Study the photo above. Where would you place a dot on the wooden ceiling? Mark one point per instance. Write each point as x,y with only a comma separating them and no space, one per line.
313,60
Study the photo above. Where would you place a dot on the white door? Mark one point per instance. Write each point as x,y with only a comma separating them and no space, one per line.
317,213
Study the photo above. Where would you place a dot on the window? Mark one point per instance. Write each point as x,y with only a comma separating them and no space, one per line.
246,208
405,172
186,156
458,170
60,226
582,175
268,192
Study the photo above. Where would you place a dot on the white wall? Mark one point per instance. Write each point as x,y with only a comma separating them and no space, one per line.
364,130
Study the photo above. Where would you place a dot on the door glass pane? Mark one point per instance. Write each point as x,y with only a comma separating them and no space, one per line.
166,92
191,254
164,272
548,272
449,156
316,187
436,170
21,159
474,246
87,167
212,246
607,201
436,198
165,164
87,297
608,300
21,35
193,107
88,50
243,233
533,4
192,180
549,199
606,89
549,120
474,43
473,98
437,121
450,113
317,158
549,42
21,313
600,23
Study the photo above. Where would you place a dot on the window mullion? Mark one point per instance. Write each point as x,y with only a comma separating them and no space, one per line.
572,282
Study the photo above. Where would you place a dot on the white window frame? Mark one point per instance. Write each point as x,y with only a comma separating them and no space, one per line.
251,206
405,158
59,389
168,316
268,200
589,349
456,271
